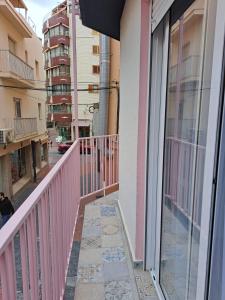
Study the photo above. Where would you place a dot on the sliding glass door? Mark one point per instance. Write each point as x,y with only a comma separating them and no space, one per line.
187,106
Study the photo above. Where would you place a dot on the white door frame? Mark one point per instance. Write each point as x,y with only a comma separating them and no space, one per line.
156,219
211,149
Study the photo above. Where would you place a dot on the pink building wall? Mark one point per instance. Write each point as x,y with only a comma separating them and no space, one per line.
142,128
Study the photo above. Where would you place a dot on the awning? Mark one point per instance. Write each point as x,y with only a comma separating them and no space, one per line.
102,15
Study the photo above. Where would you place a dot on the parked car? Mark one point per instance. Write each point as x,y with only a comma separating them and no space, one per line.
63,147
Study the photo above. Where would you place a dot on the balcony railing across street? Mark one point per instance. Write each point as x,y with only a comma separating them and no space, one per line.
24,127
10,63
35,244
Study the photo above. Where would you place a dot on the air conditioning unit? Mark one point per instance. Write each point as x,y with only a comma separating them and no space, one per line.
6,136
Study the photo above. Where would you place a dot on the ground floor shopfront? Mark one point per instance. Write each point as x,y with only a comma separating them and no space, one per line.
20,162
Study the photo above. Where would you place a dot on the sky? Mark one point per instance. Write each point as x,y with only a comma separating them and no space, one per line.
38,9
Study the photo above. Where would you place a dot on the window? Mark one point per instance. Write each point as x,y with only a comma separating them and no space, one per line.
59,89
93,88
12,46
95,49
57,31
26,57
62,70
39,111
95,69
17,107
62,50
37,69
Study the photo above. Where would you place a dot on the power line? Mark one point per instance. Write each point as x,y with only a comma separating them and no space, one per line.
51,90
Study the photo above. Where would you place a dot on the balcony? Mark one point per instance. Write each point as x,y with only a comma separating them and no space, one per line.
56,40
61,79
56,61
189,70
12,67
25,127
36,243
61,117
55,20
9,12
67,99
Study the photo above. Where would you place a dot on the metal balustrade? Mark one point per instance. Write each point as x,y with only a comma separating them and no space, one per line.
99,163
35,244
24,127
10,63
184,160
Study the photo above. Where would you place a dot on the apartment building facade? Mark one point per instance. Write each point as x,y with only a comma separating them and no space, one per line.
171,138
23,138
59,64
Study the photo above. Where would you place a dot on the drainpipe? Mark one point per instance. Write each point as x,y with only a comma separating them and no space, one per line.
104,83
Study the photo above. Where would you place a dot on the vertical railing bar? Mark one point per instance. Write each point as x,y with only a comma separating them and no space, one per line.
23,247
105,151
109,139
11,270
91,158
4,281
32,257
83,189
96,165
86,167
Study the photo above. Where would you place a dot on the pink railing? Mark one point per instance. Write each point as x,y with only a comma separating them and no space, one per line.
36,242
99,163
185,160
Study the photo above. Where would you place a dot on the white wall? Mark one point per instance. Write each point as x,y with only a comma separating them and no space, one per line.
85,59
129,78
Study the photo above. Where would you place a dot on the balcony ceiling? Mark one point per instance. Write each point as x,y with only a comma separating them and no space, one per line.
8,10
103,16
18,4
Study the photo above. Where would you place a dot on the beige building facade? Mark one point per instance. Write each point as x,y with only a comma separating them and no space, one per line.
23,137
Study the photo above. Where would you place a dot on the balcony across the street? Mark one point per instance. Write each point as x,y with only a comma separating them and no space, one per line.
24,127
15,68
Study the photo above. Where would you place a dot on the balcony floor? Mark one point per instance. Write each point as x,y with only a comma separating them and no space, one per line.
105,269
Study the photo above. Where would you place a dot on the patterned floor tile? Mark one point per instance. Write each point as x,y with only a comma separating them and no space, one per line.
118,290
111,241
91,291
90,256
114,254
145,285
92,222
108,211
92,242
92,211
110,221
110,229
90,274
115,271
92,231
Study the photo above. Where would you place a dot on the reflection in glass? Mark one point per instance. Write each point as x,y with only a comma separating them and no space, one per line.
185,142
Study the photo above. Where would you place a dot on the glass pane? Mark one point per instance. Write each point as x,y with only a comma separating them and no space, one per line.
184,156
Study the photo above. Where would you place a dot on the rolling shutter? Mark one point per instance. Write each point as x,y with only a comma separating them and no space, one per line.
159,9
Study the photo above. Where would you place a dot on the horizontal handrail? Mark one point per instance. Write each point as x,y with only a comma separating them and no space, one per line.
16,221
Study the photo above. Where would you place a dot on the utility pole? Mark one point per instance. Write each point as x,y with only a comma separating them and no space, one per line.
75,131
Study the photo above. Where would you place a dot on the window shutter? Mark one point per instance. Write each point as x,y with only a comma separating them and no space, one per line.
161,7
159,10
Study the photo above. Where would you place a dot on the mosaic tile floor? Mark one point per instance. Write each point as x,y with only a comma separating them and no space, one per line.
105,270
